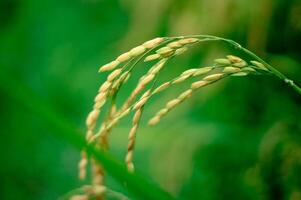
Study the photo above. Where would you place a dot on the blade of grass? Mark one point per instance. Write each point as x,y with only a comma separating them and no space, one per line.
136,183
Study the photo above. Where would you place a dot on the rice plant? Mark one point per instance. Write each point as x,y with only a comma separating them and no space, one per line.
160,51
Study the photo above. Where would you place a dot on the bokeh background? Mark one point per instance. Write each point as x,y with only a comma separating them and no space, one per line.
237,139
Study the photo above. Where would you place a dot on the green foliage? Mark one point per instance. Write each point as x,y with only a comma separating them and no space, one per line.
237,139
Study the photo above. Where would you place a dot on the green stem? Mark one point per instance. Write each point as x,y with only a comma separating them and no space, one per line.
253,55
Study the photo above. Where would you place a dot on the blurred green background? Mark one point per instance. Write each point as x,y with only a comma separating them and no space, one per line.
237,139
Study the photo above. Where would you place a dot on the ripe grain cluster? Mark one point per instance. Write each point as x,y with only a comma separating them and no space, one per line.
156,53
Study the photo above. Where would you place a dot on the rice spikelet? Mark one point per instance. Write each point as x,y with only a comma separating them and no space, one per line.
153,43
134,52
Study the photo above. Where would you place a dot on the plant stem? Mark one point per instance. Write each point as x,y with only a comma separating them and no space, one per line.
253,55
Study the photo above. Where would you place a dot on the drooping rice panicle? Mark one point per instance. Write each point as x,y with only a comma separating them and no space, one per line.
161,49
189,73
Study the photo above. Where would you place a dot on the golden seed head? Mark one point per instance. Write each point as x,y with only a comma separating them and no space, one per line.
162,87
231,65
154,120
114,74
174,45
152,57
198,84
231,70
234,59
137,51
202,71
165,51
171,104
109,66
188,41
213,77
152,43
